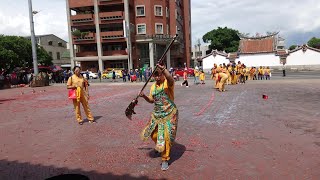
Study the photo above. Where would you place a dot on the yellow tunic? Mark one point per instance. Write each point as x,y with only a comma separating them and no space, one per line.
202,77
169,90
81,85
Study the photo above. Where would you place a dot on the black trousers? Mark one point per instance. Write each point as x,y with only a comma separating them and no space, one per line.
185,82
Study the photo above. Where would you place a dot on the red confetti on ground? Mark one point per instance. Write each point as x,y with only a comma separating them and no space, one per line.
203,109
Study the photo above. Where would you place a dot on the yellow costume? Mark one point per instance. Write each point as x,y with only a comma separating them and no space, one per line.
223,80
202,76
82,96
162,126
260,73
229,69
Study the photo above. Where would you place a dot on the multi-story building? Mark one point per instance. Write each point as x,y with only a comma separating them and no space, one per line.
128,33
55,47
198,53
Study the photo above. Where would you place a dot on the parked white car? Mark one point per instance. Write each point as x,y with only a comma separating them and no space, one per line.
91,75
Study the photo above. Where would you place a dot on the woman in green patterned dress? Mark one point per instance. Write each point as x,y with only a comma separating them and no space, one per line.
162,126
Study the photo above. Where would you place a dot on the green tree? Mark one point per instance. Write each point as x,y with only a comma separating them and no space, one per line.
314,42
222,39
43,57
292,47
17,52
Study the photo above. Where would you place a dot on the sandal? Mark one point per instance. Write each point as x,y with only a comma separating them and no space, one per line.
80,123
93,121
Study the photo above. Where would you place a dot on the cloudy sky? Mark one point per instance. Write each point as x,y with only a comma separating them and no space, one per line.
296,20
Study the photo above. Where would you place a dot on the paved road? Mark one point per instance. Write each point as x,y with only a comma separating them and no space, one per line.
231,135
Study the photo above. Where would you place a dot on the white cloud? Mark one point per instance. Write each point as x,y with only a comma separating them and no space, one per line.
51,19
252,16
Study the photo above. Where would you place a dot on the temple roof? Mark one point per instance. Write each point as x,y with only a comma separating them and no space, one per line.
261,45
304,48
241,36
215,53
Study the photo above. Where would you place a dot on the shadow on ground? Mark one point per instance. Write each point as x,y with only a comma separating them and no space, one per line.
177,151
4,100
24,170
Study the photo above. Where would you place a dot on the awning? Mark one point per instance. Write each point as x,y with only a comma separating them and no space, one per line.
66,65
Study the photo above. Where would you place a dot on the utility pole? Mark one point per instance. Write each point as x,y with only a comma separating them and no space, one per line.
33,40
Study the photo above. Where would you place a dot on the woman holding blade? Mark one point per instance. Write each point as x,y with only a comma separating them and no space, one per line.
162,126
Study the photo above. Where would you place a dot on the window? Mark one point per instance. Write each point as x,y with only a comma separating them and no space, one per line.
50,53
140,11
141,29
176,13
198,53
58,55
60,44
167,11
158,10
159,28
168,29
50,43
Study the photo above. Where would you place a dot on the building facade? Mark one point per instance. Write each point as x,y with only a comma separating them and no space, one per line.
128,34
198,53
55,47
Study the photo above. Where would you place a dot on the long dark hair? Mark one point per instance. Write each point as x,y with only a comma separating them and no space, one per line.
76,68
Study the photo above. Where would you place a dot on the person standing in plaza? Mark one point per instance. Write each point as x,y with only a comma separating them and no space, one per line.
267,73
124,75
202,77
260,73
162,126
196,76
99,75
185,78
228,72
233,74
80,84
243,72
113,75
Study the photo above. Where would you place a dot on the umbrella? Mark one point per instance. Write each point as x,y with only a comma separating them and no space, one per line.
56,68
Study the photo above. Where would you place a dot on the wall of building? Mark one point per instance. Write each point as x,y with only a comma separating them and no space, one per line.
207,63
54,48
310,57
256,60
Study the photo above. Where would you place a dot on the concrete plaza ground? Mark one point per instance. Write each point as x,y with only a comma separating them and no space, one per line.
231,135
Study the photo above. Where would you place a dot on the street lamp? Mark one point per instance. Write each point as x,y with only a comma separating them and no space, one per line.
199,55
33,39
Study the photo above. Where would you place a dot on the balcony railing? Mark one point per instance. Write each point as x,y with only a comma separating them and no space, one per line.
82,19
82,3
110,2
111,16
115,53
112,35
87,53
90,37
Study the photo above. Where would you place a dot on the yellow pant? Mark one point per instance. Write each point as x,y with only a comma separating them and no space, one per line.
86,108
223,80
229,79
216,86
166,153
